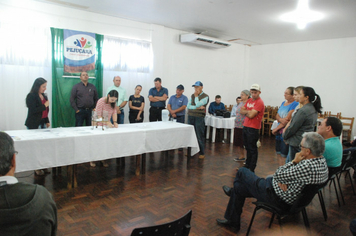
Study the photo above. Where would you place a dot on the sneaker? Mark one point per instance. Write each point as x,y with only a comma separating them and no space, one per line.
238,159
201,156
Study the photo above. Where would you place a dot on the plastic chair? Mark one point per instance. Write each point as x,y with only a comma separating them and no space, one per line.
180,227
303,200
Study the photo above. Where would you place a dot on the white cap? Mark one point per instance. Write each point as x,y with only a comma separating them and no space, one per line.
255,87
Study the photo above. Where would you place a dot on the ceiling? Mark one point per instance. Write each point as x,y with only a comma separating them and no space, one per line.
251,21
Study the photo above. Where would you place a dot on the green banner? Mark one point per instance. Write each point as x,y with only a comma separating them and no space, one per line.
63,115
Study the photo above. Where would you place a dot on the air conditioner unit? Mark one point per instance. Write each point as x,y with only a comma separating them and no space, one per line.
202,40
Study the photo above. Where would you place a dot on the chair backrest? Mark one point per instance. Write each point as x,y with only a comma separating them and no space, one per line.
180,227
306,196
347,122
350,162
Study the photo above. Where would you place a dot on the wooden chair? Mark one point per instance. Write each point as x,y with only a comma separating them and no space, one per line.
180,227
264,121
347,123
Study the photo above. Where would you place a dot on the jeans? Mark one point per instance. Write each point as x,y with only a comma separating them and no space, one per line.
199,127
247,184
251,136
120,118
281,146
180,119
291,154
83,115
353,227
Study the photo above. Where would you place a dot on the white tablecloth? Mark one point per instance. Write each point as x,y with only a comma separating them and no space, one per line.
218,122
66,146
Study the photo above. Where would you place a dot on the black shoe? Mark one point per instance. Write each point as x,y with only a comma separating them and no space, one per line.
227,190
226,222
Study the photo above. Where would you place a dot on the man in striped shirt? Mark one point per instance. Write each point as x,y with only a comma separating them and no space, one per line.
283,188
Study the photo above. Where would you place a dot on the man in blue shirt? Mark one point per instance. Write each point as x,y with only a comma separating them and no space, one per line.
177,104
196,114
157,96
217,105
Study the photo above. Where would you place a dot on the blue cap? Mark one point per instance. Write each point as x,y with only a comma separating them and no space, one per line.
198,83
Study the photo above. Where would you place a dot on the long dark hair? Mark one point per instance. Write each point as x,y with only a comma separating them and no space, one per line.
112,93
313,98
37,84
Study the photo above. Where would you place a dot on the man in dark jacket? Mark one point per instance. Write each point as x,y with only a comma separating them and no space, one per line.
25,209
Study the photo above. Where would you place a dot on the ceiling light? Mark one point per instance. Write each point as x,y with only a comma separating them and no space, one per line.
303,15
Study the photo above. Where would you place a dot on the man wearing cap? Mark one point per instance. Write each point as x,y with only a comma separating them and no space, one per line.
196,114
122,99
253,109
157,96
177,104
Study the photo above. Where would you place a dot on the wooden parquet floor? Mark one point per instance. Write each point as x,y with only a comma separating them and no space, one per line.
114,201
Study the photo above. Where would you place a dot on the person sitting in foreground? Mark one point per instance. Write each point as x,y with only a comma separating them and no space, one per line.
283,188
25,209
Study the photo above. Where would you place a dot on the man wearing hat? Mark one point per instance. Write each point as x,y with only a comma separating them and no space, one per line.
177,104
253,109
196,114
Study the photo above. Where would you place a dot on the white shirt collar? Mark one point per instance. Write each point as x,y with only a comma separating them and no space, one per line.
9,179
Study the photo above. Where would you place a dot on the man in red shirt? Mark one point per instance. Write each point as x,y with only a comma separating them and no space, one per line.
253,109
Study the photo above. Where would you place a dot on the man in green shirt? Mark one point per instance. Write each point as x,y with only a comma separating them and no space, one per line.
121,101
331,128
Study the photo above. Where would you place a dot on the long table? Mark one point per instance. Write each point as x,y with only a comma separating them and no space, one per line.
45,148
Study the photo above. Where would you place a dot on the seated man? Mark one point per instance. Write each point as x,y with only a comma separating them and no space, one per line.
25,209
283,188
217,105
330,129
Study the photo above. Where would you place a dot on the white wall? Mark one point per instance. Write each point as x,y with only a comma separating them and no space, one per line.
221,70
329,66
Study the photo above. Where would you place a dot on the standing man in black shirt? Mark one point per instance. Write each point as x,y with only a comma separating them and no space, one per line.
83,99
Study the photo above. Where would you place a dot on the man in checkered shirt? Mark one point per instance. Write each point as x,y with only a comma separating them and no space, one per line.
283,188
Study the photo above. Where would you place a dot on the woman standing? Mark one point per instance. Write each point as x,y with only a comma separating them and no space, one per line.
38,108
283,116
137,104
304,120
239,121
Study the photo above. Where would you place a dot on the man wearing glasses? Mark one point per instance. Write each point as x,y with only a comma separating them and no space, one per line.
283,188
25,209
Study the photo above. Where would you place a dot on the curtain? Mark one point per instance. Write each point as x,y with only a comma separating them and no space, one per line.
132,60
127,55
25,54
62,112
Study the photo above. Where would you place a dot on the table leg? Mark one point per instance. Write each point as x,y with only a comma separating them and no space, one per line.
138,164
207,132
72,176
213,135
189,152
143,163
232,136
225,134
